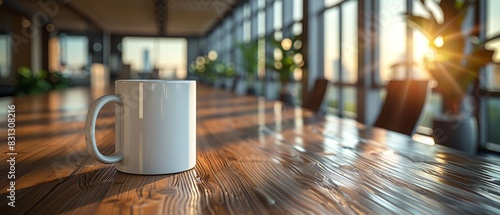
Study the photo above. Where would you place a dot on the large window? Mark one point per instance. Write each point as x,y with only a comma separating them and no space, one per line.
329,3
493,28
349,42
278,14
247,27
166,54
392,40
297,10
491,78
393,47
5,56
493,123
394,51
278,19
332,54
401,51
341,54
74,55
420,43
332,44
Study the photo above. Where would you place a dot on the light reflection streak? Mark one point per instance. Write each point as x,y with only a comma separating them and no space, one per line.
278,106
423,139
261,117
299,121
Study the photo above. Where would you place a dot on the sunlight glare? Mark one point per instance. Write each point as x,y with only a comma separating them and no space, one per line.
439,42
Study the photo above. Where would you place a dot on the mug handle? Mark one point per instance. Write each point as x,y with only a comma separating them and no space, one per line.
90,130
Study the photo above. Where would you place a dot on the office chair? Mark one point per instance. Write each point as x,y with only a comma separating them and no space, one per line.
315,98
403,106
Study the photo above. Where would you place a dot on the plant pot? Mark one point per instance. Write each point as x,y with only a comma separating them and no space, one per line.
258,88
458,132
228,82
251,91
271,90
218,83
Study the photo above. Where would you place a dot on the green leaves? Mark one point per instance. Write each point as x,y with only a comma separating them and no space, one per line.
453,12
451,63
249,53
287,57
429,27
28,82
209,68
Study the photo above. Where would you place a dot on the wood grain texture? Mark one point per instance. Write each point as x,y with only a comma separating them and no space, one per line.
253,157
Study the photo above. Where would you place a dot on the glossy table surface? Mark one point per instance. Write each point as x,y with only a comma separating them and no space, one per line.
253,157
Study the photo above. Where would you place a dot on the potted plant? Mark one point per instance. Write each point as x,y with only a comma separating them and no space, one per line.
203,66
455,58
287,58
198,68
228,75
28,82
222,73
249,63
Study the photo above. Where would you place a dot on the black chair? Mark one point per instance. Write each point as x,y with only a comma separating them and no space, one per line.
315,98
403,106
7,91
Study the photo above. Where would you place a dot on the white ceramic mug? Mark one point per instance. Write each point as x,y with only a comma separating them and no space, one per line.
155,126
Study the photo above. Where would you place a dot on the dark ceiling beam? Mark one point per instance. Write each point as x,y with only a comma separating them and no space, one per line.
85,17
226,14
161,16
16,6
135,34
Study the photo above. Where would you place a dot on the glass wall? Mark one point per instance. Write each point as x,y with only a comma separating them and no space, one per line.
351,69
332,55
341,56
492,78
332,42
493,120
278,14
247,27
491,75
392,40
297,10
400,46
168,55
5,56
74,55
349,41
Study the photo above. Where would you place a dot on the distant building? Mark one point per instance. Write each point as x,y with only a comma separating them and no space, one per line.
147,63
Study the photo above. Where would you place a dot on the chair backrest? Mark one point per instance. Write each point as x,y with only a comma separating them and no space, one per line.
403,106
315,98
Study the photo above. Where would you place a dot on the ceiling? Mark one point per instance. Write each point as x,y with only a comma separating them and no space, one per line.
135,17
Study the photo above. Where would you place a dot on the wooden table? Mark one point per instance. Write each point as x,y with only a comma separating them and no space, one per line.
253,157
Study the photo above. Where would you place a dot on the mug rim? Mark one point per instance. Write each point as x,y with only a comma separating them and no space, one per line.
155,80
